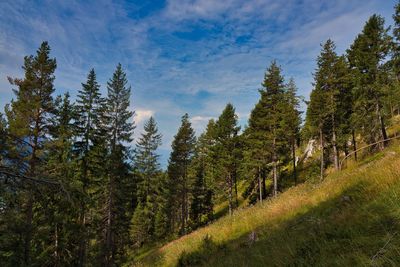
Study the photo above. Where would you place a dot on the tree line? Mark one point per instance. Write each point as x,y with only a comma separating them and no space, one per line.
75,192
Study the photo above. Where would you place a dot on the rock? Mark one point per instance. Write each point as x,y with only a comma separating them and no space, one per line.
346,199
252,237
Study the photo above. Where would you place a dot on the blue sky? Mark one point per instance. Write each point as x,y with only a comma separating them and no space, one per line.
180,56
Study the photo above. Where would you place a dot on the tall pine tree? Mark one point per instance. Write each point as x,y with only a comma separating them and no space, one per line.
28,118
366,56
226,152
181,156
88,140
119,130
148,183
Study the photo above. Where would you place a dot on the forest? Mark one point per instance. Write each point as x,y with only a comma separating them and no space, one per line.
78,190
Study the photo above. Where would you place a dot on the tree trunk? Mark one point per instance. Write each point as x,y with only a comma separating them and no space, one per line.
335,149
82,220
275,175
321,139
183,210
382,125
28,235
294,161
353,135
346,149
184,200
236,189
230,193
56,254
29,204
110,221
259,185
82,243
264,188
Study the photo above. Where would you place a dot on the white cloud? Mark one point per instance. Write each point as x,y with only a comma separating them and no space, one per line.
161,64
141,115
199,123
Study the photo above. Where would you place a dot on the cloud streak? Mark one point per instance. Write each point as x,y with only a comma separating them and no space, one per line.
180,56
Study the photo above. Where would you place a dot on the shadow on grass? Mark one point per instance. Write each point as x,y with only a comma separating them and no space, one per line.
352,229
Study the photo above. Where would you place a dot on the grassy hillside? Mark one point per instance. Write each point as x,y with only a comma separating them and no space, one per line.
351,218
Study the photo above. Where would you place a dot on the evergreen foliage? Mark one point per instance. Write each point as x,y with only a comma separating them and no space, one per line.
178,182
74,192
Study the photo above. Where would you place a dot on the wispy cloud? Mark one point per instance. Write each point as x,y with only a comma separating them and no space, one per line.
142,115
180,56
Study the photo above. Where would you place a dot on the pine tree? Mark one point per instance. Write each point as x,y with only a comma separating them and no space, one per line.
182,152
201,207
149,173
366,56
146,160
119,130
292,121
342,107
28,118
396,44
328,113
163,215
88,148
3,137
61,208
226,135
266,134
141,225
393,85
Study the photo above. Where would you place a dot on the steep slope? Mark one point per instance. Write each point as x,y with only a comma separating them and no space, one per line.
351,218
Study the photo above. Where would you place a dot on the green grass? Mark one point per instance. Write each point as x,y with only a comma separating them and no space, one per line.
351,218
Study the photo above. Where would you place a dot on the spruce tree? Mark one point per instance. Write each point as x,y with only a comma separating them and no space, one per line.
149,179
201,172
89,159
119,129
329,109
393,87
182,152
146,160
163,216
266,133
396,44
366,57
292,121
62,210
226,135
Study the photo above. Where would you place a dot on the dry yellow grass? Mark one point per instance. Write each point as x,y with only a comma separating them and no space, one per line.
380,175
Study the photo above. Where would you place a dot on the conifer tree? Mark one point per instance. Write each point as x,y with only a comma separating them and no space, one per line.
28,118
366,56
292,121
140,231
393,85
182,152
146,160
396,44
163,216
201,207
149,173
119,129
328,113
226,137
87,150
266,131
61,208
201,204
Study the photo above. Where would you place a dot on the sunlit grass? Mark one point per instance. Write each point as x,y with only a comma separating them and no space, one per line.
335,210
